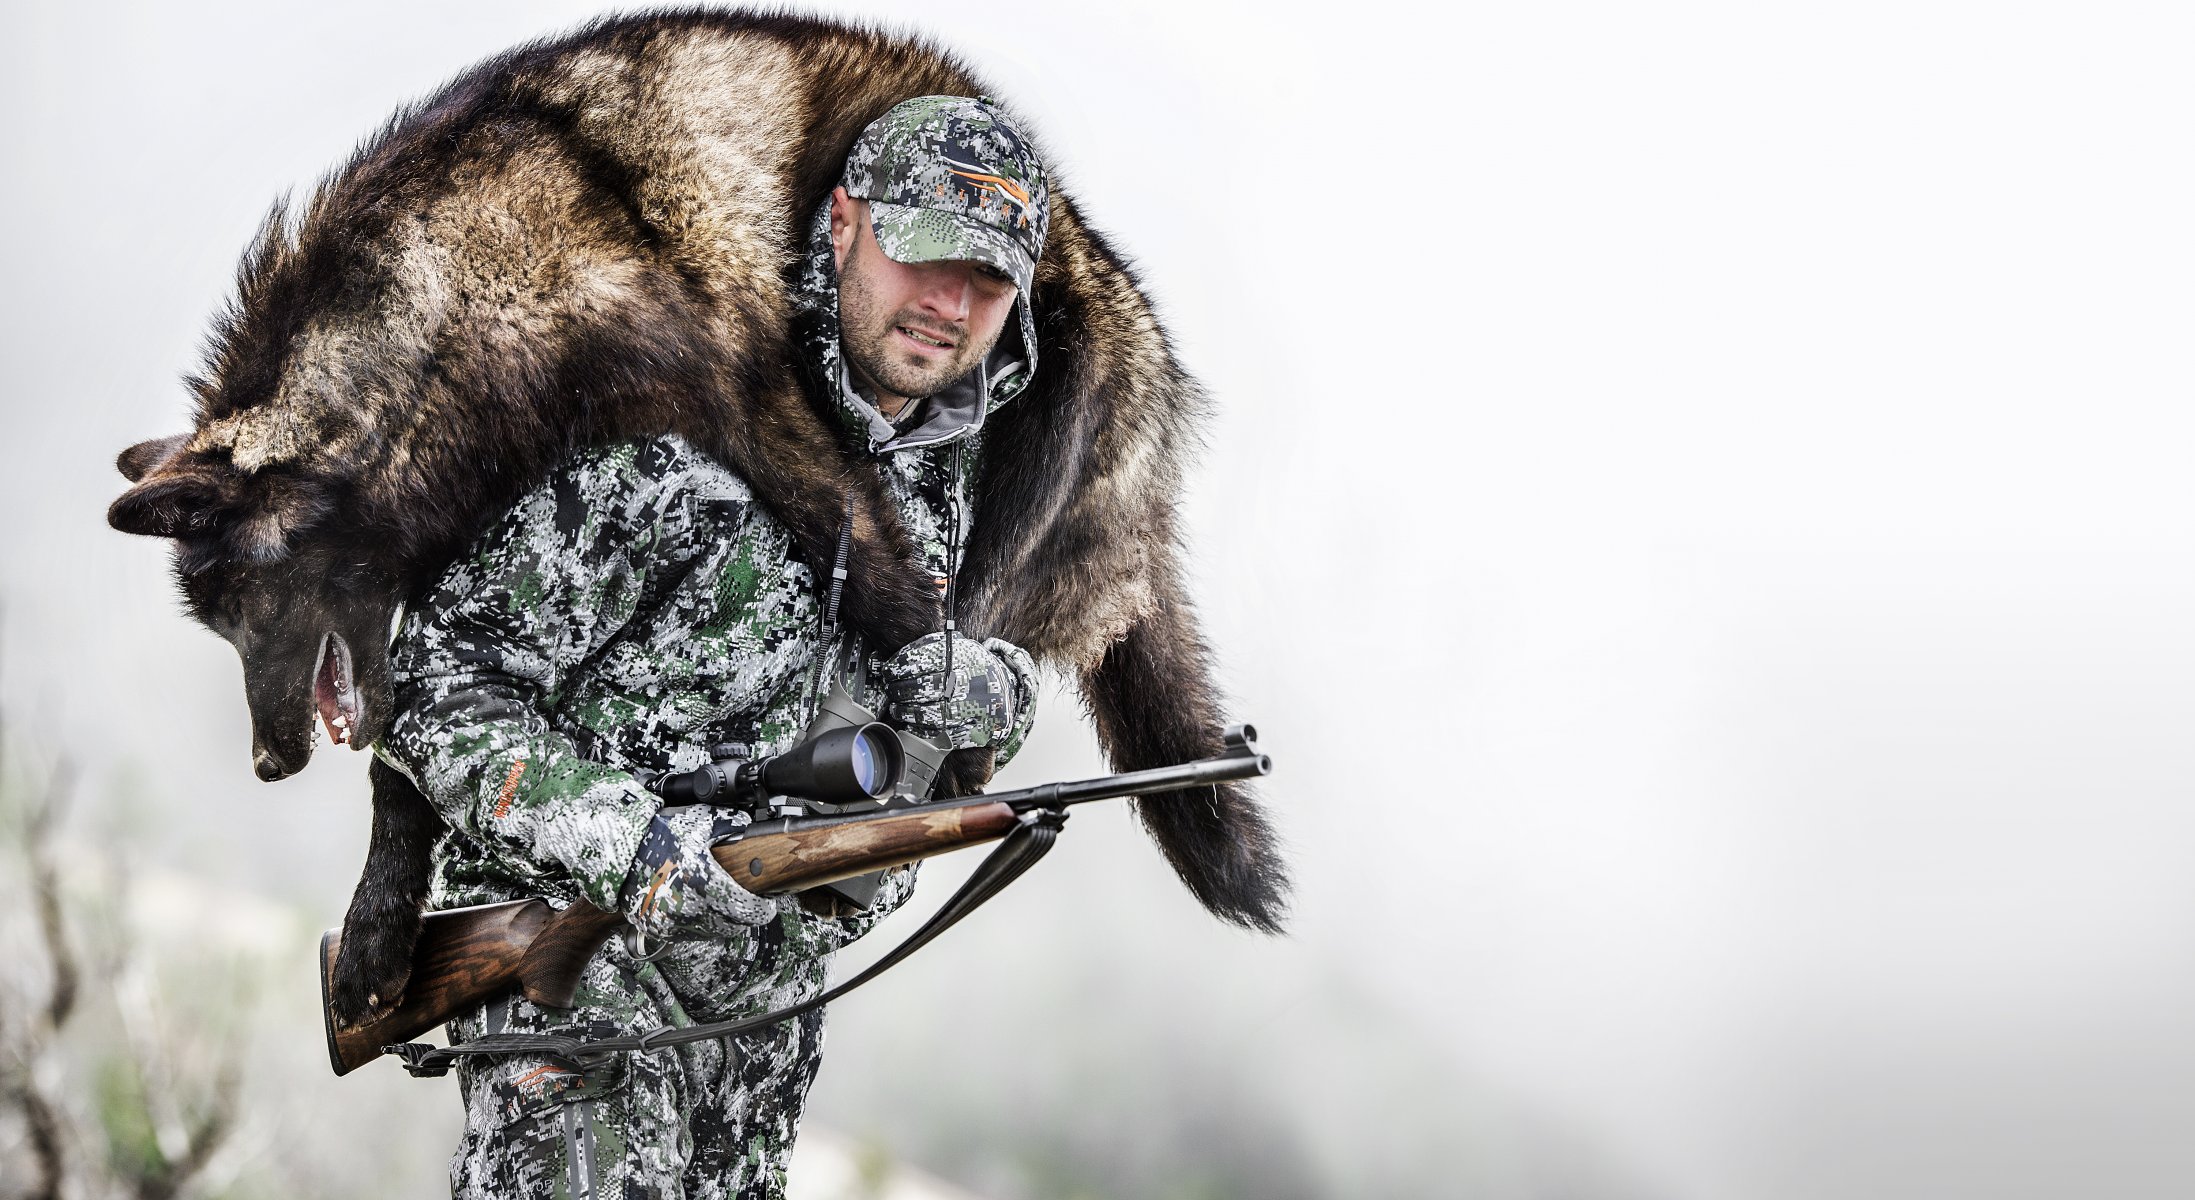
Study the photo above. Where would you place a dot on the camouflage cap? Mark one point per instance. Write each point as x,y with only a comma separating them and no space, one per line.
947,177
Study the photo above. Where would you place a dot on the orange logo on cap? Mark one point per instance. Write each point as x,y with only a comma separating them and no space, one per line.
995,184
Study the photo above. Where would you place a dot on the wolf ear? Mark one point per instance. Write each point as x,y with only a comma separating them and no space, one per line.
174,504
139,460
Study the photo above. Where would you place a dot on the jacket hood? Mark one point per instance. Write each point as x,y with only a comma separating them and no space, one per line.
956,412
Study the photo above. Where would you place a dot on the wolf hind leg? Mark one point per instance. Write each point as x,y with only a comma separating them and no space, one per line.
375,961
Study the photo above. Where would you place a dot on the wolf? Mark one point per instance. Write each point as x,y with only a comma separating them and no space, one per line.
590,238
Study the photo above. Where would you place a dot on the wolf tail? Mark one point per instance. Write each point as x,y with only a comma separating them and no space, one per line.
1154,703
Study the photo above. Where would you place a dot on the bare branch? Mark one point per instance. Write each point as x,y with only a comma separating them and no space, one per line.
42,1119
44,1127
204,1139
46,892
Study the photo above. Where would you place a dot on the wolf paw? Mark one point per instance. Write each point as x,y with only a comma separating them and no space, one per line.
371,969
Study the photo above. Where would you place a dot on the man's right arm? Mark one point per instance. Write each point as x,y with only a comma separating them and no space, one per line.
480,663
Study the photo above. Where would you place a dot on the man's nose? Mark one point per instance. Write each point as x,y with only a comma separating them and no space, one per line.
947,291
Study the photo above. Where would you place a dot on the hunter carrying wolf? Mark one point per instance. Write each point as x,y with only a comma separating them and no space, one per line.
667,376
640,610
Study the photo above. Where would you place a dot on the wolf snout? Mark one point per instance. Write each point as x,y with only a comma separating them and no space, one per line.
267,766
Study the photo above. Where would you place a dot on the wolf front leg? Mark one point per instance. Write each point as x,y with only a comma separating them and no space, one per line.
375,960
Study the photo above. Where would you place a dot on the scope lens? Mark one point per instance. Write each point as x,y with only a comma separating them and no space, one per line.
868,763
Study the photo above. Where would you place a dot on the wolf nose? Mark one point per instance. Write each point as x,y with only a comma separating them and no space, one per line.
267,767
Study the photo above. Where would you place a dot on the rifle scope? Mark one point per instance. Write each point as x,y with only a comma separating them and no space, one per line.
845,765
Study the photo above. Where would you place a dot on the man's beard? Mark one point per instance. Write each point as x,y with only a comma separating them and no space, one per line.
866,333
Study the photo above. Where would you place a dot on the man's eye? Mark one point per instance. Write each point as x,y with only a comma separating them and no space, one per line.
995,275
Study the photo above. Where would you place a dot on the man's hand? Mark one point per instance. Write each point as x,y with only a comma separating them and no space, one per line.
973,706
677,890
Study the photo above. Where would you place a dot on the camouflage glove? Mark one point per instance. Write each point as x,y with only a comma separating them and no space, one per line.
677,890
975,707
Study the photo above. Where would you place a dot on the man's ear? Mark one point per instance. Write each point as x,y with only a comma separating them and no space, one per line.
845,225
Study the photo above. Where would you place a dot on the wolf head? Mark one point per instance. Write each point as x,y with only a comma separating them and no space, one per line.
309,618
250,498
277,500
399,362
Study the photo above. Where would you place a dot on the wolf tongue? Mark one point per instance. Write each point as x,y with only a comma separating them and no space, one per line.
328,686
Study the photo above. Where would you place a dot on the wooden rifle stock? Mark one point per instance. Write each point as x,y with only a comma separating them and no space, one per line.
467,956
809,852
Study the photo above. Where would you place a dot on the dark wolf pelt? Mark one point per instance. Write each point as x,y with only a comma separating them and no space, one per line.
592,238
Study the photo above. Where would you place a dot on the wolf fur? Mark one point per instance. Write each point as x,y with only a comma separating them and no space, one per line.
592,238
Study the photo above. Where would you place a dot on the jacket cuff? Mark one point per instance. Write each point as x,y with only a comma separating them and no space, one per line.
1024,670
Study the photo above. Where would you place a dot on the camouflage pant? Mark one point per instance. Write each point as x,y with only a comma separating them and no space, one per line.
709,1121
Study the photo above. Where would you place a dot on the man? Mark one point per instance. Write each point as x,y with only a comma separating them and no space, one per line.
641,610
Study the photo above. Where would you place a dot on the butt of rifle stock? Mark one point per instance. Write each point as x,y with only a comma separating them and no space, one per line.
464,957
549,972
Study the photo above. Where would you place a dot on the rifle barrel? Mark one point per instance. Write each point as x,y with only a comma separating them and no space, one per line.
792,853
1224,768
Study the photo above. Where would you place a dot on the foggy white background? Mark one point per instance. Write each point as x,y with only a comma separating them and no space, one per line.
1699,509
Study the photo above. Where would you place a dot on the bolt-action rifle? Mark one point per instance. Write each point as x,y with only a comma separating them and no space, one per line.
821,812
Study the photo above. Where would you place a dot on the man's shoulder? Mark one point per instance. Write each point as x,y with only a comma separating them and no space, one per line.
601,499
666,462
601,511
635,483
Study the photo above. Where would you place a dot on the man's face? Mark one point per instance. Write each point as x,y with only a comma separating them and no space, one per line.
909,329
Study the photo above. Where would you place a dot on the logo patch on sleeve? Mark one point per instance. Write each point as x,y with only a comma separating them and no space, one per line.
510,789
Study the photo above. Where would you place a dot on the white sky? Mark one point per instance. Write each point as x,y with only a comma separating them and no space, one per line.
1699,511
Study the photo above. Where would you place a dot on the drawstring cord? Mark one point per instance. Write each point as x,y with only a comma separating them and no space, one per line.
829,651
952,563
838,571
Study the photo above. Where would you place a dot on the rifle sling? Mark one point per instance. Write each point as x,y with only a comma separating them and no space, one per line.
1024,845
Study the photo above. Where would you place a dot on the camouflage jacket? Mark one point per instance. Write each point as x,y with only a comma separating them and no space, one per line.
619,622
